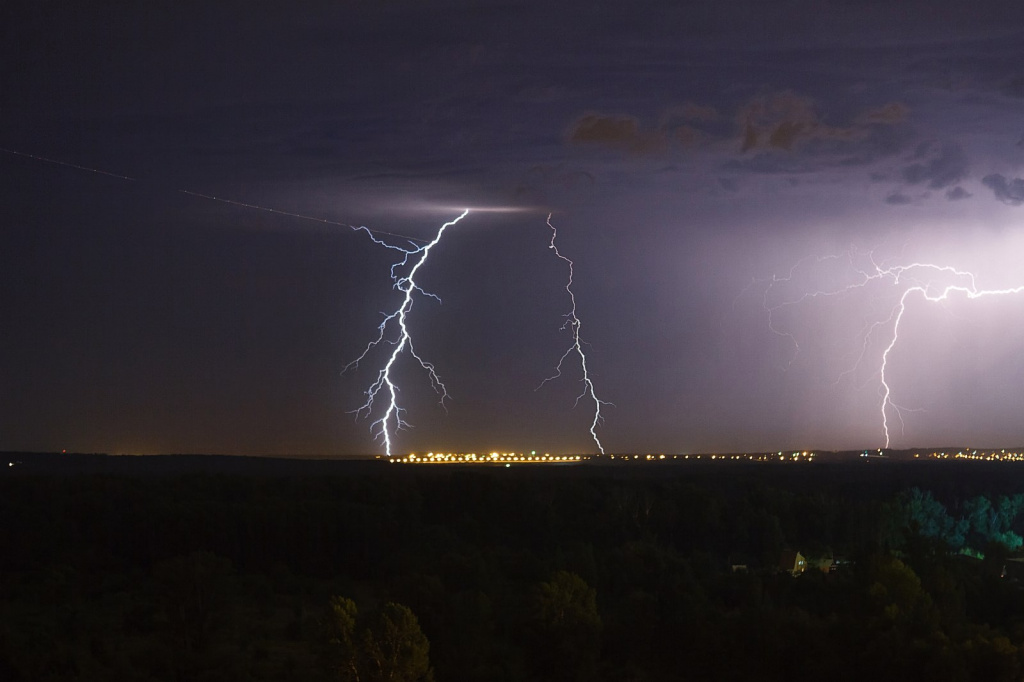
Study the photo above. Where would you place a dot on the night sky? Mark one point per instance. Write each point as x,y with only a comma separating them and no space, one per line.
709,167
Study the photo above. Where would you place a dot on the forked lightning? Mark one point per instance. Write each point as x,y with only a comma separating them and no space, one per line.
572,323
395,323
933,282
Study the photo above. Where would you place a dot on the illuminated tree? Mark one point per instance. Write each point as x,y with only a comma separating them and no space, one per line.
341,632
927,516
395,647
992,522
388,646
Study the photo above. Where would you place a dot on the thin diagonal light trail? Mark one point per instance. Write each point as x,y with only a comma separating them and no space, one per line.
899,285
572,322
201,195
67,164
394,330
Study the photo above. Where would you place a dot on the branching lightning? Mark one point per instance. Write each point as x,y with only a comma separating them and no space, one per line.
395,324
931,282
572,322
394,330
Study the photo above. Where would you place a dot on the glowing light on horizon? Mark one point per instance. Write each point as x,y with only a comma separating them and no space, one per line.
933,282
572,322
393,412
201,195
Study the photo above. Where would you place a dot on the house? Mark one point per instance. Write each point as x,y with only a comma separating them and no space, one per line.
792,562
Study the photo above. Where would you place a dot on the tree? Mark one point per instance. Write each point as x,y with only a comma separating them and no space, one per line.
568,627
192,590
922,513
993,522
386,646
343,658
394,646
898,597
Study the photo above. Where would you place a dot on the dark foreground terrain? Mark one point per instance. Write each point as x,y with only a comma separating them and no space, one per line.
237,569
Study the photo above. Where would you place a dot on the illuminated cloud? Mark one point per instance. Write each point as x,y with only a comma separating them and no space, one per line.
890,114
616,132
689,136
775,121
1007,191
685,124
783,120
610,130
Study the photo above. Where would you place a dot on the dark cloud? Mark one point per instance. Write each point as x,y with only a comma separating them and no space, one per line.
687,124
957,193
940,167
777,121
898,199
889,114
728,184
769,163
1007,191
783,120
542,180
609,130
677,126
689,136
616,132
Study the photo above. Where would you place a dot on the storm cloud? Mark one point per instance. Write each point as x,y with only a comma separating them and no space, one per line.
939,167
1007,191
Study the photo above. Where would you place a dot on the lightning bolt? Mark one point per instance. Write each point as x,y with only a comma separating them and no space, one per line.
395,324
393,330
932,282
572,322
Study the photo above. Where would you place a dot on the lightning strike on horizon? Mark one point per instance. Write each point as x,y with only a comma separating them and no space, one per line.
407,285
572,322
908,280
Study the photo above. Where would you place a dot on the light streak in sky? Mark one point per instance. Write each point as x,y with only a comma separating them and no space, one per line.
67,164
395,323
210,197
288,214
930,282
572,322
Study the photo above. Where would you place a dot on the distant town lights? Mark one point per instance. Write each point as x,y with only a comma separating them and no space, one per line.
510,457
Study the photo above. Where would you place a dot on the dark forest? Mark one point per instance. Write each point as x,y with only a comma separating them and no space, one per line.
577,573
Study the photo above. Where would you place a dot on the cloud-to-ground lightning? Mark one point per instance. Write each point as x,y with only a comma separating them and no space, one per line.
395,324
897,284
393,330
572,323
